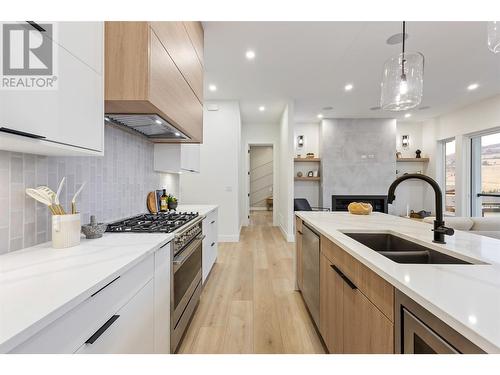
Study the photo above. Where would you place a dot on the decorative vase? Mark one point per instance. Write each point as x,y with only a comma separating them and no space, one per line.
172,205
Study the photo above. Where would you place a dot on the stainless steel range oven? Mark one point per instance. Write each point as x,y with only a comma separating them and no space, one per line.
185,279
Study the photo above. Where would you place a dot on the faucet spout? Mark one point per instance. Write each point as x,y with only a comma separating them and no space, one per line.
439,228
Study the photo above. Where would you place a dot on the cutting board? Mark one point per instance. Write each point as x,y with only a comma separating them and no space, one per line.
151,202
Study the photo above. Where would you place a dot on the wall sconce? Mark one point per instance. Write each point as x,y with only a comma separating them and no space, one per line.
300,141
405,141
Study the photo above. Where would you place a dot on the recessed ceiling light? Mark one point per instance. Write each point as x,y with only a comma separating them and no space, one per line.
250,55
348,87
472,86
262,108
106,118
177,134
396,38
407,115
212,87
329,108
319,115
158,122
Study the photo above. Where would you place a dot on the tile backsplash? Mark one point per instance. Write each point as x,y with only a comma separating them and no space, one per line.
116,186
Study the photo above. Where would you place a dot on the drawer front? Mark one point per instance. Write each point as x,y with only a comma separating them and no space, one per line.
375,288
69,332
129,331
210,246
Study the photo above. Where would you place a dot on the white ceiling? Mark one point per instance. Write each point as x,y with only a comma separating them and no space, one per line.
310,62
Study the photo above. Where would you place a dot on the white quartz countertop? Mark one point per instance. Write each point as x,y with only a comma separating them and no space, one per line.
466,297
40,284
202,209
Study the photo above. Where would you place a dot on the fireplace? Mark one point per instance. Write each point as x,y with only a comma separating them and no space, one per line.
378,202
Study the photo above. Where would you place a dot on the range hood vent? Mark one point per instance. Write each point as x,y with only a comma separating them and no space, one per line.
150,125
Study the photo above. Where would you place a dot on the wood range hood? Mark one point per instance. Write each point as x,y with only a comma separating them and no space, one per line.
154,79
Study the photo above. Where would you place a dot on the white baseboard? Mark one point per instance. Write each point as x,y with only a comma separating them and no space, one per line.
228,238
288,237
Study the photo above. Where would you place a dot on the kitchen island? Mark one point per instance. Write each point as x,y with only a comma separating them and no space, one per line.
465,297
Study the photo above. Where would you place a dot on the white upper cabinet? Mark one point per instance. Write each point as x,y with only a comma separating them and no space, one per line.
69,118
175,157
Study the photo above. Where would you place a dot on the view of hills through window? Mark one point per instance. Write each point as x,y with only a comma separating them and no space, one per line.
490,173
449,162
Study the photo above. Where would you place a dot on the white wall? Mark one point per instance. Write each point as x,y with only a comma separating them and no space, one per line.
459,124
219,178
255,134
411,193
285,208
310,131
307,189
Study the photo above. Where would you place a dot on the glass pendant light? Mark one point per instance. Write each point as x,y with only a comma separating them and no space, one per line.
494,36
402,80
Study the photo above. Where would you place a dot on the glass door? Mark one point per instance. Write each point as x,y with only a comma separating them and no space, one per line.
449,176
485,179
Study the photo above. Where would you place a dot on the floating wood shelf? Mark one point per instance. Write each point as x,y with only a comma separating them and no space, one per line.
307,178
413,160
307,159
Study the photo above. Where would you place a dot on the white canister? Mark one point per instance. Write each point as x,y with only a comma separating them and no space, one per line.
65,231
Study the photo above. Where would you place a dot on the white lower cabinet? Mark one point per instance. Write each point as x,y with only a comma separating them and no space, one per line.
209,251
130,313
129,331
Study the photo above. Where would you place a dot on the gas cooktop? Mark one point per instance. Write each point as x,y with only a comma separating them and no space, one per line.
164,222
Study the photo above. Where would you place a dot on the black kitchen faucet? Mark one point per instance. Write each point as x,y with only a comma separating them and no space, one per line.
439,229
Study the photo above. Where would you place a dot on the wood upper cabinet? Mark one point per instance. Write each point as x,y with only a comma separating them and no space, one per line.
356,305
154,68
196,34
176,40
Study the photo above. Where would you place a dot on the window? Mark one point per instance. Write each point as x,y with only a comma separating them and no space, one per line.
485,181
449,176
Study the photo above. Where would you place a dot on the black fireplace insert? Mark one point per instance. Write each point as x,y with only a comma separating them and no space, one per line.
378,202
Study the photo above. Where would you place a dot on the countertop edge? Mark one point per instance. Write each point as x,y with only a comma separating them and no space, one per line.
464,330
46,320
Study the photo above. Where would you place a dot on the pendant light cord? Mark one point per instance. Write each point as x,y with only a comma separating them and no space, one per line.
403,54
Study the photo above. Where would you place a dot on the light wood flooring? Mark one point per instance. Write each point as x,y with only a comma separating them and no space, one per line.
249,304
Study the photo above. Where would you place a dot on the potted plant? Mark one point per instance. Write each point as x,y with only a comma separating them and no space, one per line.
172,202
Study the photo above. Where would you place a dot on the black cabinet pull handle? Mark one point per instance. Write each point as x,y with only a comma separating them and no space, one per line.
213,221
213,243
101,330
344,277
22,134
105,286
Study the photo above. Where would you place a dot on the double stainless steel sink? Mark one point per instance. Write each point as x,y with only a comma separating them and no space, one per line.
403,251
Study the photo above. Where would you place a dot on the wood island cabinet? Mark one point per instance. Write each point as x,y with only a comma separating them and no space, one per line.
298,252
356,306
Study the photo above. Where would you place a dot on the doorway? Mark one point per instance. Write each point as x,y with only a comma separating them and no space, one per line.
485,171
261,181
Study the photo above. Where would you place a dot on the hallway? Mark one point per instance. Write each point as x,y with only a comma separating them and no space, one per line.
249,304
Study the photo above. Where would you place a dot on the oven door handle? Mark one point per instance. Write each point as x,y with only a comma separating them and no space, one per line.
184,255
